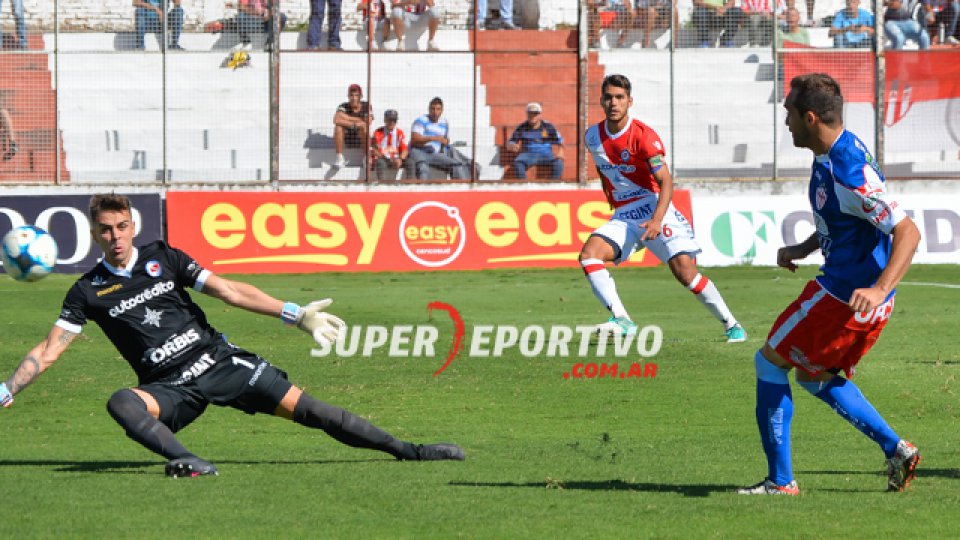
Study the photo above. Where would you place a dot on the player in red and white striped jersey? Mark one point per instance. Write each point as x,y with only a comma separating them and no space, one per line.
637,183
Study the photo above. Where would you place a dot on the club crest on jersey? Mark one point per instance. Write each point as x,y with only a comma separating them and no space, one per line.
625,155
821,197
98,281
153,268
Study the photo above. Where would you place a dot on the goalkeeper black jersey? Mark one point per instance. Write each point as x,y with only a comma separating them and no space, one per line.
145,310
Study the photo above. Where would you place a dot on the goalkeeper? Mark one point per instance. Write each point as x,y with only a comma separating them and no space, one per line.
138,298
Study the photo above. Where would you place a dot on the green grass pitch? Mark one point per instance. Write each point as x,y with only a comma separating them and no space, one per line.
546,456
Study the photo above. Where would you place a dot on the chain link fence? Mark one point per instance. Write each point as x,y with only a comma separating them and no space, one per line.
203,96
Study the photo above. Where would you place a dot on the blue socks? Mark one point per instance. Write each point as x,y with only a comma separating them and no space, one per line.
774,413
846,399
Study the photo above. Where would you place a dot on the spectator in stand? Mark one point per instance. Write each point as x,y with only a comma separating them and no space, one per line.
785,6
760,21
17,6
901,21
388,147
8,145
148,17
506,15
376,24
793,32
715,15
595,22
943,13
406,13
650,15
253,17
350,123
852,27
430,145
315,28
538,143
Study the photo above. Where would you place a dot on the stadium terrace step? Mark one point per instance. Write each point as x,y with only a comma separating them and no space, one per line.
524,40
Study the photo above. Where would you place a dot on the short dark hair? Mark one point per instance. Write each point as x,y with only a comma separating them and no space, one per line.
620,81
108,202
817,93
436,100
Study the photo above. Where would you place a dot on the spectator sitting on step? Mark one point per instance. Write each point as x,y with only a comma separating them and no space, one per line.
148,17
17,6
852,27
621,21
650,15
793,32
759,17
350,123
538,143
8,145
944,13
722,15
430,145
388,147
901,21
408,13
253,17
377,24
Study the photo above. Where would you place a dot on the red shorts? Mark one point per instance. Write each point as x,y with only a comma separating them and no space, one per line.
818,333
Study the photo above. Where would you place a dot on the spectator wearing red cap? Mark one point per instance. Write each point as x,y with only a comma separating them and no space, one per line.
350,123
388,147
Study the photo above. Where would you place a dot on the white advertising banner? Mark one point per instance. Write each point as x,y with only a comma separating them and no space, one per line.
750,229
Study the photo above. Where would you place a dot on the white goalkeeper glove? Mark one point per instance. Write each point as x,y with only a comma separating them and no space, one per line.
324,327
6,398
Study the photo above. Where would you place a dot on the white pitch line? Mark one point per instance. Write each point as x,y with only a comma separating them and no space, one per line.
931,284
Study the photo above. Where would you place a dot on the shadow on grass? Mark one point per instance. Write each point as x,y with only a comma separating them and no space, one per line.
687,490
146,467
922,472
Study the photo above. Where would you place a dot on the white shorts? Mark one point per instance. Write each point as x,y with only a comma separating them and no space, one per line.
623,231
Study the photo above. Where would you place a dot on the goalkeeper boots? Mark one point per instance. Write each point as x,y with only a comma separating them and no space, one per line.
190,467
439,451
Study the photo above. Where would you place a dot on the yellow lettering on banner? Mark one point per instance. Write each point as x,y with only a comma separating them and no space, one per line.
452,233
290,232
560,212
220,219
592,215
369,231
494,217
333,234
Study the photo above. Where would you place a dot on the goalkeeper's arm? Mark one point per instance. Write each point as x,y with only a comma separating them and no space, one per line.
311,318
42,356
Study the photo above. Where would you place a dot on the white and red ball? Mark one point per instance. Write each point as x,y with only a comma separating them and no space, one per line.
29,253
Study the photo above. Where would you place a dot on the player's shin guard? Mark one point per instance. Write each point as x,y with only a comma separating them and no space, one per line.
603,286
708,295
130,411
846,399
774,413
349,428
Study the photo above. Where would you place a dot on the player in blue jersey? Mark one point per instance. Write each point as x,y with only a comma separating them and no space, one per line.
867,243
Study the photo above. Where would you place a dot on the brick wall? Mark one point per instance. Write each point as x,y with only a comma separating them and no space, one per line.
117,15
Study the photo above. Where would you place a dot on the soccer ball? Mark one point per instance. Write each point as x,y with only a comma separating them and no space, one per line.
29,253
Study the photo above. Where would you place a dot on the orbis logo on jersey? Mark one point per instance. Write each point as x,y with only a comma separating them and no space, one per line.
432,233
174,345
129,303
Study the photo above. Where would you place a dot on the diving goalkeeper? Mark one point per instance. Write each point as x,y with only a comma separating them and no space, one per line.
138,297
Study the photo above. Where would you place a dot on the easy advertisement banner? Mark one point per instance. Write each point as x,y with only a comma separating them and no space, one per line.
66,218
749,230
256,232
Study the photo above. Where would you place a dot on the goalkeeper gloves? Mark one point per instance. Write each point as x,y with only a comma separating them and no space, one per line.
6,398
324,327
